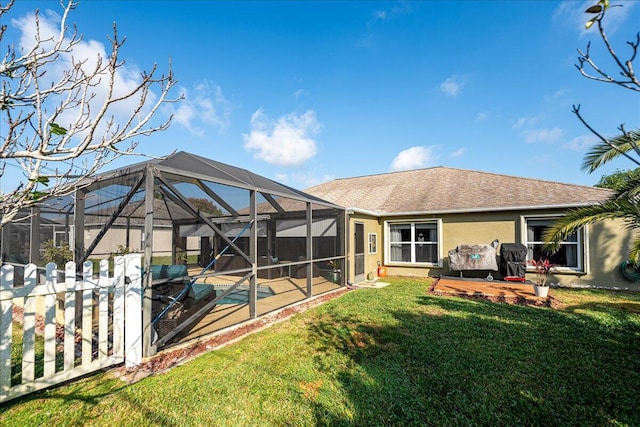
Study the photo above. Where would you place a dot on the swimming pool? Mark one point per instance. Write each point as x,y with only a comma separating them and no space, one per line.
240,295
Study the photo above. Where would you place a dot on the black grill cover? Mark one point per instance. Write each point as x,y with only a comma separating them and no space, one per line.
512,269
513,252
513,258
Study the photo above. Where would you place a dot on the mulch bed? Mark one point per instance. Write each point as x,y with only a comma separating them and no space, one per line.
549,301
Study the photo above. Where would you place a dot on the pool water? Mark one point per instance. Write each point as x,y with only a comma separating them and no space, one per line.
240,295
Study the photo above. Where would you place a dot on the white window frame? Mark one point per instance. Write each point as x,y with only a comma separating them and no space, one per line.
373,243
582,244
413,222
60,237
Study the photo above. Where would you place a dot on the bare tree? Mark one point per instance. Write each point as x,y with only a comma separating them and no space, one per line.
59,127
623,76
624,203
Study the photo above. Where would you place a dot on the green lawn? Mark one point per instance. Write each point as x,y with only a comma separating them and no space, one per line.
391,356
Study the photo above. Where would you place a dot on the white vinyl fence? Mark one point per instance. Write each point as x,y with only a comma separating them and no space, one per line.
52,331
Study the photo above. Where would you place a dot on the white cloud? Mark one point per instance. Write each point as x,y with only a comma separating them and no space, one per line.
414,158
452,86
523,122
310,181
303,180
571,13
580,143
532,134
542,135
557,95
397,9
369,39
458,153
282,177
298,93
86,52
287,141
481,117
380,15
49,29
204,106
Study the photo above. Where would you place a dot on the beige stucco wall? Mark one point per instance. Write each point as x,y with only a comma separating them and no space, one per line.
608,244
477,229
371,225
162,240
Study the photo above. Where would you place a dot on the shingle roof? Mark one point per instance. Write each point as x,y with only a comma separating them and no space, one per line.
444,189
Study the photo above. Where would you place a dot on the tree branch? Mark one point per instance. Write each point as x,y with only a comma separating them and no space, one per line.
51,122
576,111
626,67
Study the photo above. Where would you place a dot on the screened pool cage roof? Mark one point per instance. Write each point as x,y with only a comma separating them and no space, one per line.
178,190
189,165
182,167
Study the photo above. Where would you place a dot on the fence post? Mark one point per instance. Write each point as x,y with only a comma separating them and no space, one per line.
133,310
70,316
51,279
6,328
29,325
103,316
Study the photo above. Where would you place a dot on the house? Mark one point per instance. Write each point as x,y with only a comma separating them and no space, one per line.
408,221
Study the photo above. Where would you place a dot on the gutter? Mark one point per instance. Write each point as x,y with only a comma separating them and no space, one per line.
363,211
465,210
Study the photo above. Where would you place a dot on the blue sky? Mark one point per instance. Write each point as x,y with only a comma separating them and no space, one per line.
306,92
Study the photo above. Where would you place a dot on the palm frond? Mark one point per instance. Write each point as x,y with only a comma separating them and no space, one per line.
613,208
630,191
605,151
634,254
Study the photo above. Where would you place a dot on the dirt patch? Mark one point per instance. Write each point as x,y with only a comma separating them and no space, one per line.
171,357
18,317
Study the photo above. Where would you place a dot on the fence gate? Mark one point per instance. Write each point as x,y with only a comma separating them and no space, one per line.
54,330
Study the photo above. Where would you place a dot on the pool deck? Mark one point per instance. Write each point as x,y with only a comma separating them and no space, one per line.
287,291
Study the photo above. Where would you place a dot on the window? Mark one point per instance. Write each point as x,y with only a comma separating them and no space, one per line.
571,253
60,238
373,243
413,242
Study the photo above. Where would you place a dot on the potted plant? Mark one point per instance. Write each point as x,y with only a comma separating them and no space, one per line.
542,266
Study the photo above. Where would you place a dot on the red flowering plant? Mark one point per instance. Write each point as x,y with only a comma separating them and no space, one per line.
542,266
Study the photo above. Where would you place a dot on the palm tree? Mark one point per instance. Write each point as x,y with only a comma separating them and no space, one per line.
607,150
623,204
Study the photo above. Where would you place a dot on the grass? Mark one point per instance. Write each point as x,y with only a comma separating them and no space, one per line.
17,353
390,356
